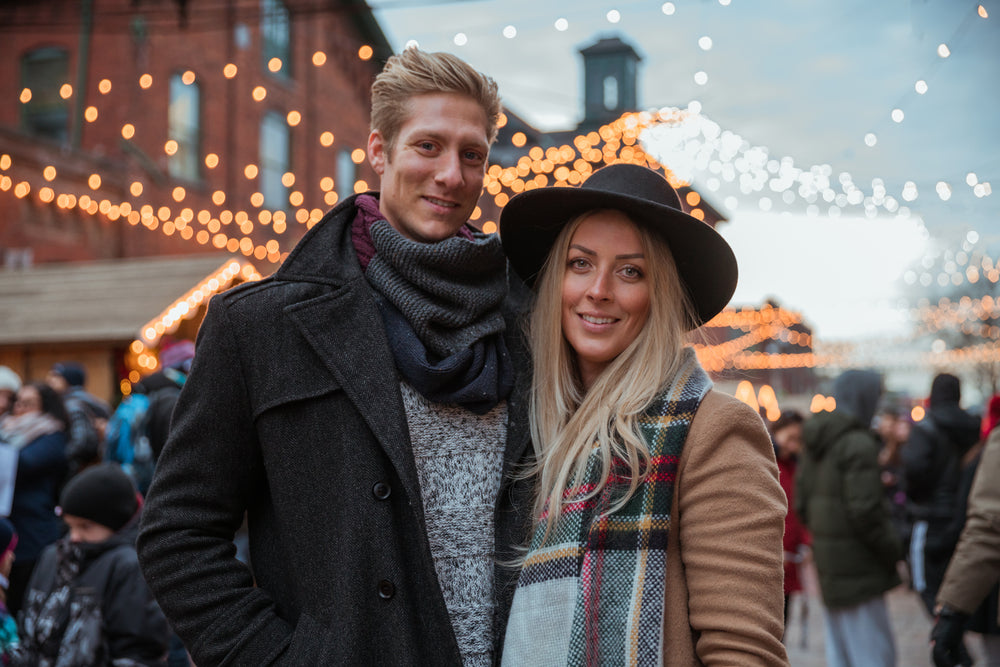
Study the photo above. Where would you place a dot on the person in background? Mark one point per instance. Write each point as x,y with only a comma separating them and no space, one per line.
933,459
9,639
974,568
37,430
839,497
10,382
363,406
88,415
87,602
658,513
893,426
786,433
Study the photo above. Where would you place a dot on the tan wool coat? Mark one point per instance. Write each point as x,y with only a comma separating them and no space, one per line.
725,603
975,566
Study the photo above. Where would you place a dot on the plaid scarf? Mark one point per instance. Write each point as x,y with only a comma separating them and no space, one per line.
610,569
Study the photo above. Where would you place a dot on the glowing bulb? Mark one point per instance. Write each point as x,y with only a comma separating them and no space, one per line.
365,52
319,59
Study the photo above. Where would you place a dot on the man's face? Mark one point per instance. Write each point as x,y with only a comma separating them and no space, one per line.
433,175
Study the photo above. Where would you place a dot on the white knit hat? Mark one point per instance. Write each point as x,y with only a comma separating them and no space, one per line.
9,380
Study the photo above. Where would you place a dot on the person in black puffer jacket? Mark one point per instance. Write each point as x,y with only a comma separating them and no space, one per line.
932,465
87,602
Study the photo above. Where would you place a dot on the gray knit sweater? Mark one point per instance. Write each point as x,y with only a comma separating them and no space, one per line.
459,459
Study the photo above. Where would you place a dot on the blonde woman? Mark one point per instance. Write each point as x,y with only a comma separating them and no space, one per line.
658,512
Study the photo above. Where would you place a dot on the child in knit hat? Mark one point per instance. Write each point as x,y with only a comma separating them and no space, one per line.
8,627
87,602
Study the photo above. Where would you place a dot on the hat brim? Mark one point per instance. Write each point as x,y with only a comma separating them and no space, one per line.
531,221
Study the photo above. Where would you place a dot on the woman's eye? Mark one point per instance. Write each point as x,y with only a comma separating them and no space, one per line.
632,272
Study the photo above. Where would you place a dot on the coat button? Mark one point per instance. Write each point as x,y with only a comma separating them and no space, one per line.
386,590
381,490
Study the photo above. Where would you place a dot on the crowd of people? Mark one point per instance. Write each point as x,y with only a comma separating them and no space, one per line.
454,448
71,591
882,499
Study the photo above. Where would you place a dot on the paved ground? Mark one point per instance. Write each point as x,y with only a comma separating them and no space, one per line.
910,624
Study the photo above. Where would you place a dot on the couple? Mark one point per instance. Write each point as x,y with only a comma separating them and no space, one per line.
408,487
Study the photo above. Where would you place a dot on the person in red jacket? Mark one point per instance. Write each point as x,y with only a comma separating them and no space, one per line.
786,433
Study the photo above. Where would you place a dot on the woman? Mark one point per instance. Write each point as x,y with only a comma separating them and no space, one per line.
36,428
658,513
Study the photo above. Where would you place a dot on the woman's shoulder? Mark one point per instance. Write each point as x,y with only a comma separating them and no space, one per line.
717,406
723,421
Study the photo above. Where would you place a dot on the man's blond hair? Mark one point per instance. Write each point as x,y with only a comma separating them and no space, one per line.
415,72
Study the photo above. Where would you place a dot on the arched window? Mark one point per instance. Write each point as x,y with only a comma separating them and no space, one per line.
610,93
275,161
184,127
43,74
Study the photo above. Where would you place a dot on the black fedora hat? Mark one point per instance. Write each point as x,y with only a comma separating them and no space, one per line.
531,221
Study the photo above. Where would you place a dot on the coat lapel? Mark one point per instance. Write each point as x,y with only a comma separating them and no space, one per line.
345,330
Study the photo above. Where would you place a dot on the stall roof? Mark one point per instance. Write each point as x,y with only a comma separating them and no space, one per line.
102,301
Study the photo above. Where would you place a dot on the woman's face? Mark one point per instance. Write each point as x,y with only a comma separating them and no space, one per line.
28,400
605,291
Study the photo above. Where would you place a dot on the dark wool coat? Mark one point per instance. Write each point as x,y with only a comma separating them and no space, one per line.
292,412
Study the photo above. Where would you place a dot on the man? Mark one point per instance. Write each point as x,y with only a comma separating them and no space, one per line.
974,567
839,497
360,406
932,465
88,415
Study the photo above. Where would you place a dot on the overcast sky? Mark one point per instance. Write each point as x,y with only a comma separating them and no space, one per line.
803,81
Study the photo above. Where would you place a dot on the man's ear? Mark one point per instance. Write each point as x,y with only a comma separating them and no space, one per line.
377,155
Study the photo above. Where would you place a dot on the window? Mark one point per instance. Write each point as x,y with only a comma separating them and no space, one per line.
275,30
184,127
274,160
44,72
347,173
610,93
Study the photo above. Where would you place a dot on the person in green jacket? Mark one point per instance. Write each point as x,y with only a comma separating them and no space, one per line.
839,497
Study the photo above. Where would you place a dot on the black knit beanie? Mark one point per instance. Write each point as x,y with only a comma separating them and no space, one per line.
103,494
945,389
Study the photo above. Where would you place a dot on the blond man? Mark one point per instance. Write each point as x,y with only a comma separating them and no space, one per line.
362,406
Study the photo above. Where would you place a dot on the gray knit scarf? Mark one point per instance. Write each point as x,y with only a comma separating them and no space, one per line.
441,306
451,292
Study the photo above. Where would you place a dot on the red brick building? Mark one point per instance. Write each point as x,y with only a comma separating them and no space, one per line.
227,120
134,128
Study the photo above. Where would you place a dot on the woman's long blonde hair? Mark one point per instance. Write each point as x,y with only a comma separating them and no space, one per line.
568,421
